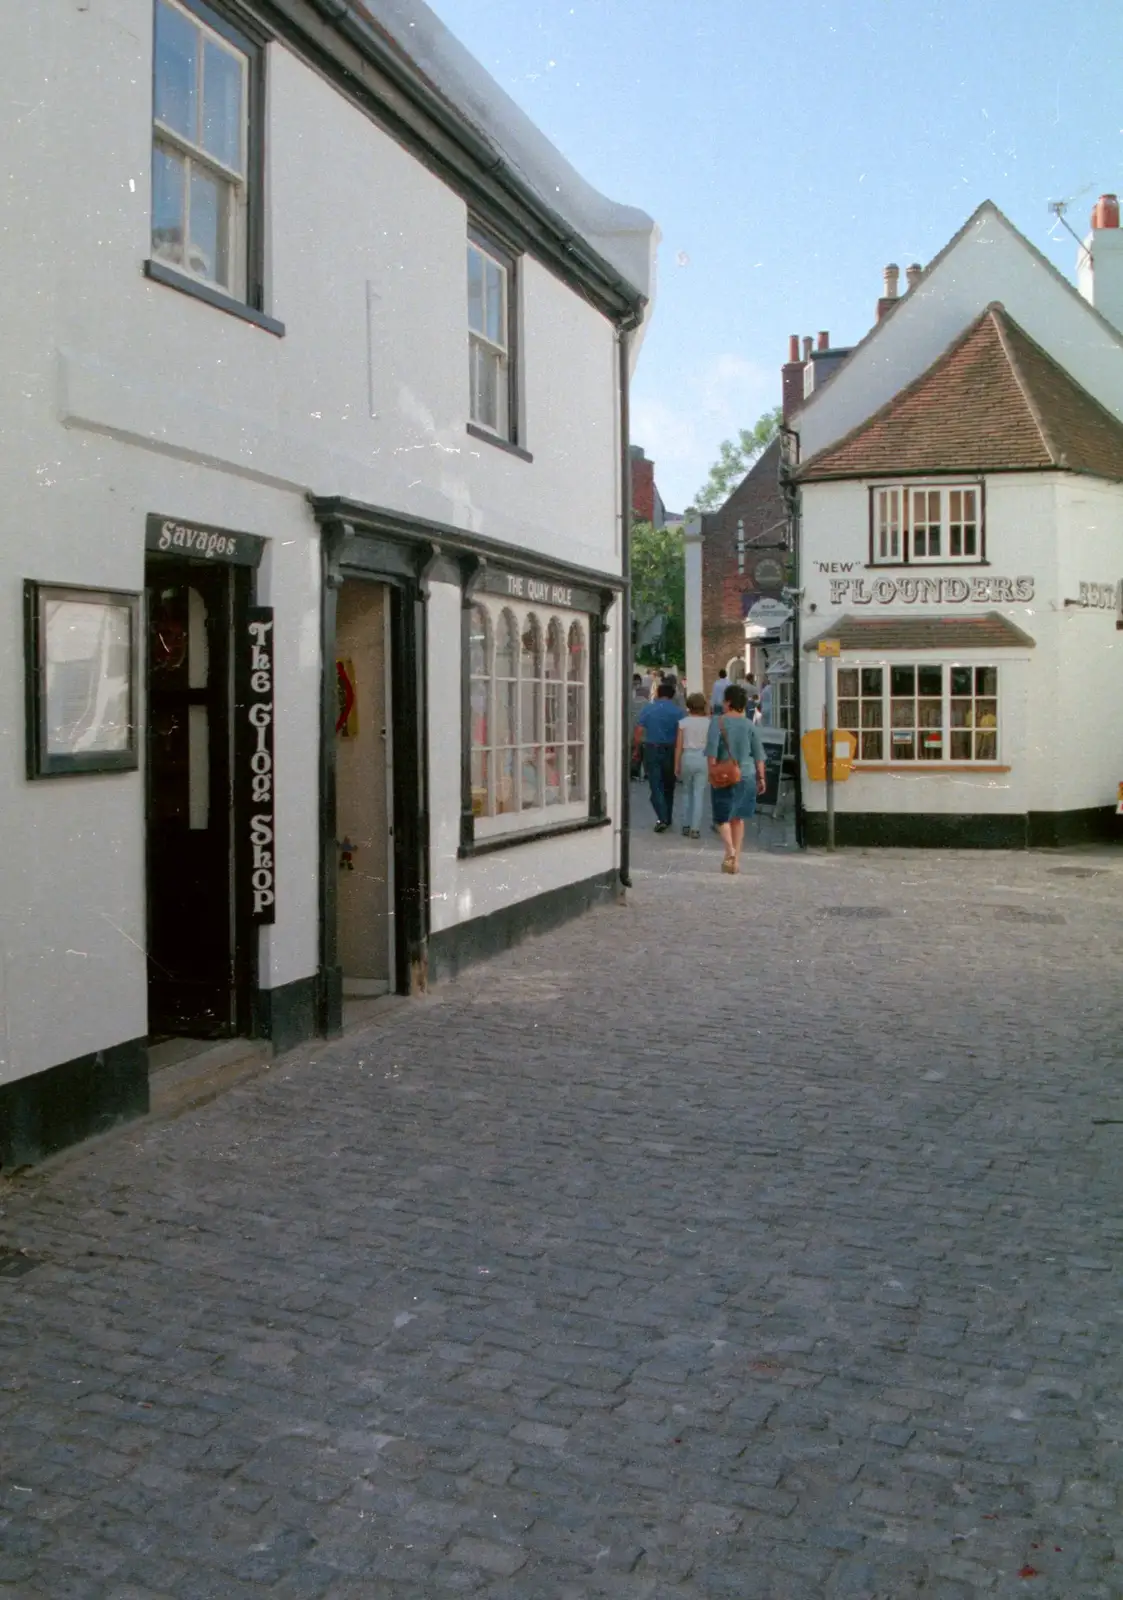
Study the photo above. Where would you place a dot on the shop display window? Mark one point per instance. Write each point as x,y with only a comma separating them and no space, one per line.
923,712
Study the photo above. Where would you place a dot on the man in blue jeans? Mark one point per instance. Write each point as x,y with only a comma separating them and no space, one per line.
656,732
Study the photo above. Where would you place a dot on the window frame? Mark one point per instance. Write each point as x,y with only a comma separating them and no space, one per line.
947,761
246,296
507,259
907,556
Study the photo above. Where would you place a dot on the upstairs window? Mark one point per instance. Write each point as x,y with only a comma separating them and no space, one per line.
491,339
205,149
914,524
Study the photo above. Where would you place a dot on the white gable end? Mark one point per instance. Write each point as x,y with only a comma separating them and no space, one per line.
989,261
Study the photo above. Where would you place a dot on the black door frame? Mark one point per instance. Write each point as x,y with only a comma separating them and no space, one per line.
241,584
349,557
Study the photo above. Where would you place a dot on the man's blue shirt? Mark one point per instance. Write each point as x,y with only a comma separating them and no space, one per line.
659,721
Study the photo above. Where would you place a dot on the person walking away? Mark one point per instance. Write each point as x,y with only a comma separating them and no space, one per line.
717,693
734,737
656,732
692,769
679,692
639,700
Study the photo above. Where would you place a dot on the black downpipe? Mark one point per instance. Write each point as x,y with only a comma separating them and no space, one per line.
623,346
791,497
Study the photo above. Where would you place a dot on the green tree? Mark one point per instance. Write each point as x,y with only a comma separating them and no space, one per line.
735,459
659,592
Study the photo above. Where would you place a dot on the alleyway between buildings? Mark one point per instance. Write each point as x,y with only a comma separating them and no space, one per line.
758,1238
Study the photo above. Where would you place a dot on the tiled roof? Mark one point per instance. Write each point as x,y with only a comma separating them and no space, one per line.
990,631
993,402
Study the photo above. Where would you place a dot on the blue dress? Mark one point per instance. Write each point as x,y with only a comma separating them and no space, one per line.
738,803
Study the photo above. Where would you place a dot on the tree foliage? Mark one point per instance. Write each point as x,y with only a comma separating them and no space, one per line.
735,459
659,591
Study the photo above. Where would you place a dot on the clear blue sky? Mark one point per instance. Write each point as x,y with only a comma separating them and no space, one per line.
788,151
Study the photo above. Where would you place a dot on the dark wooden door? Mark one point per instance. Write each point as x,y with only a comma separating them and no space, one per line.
191,979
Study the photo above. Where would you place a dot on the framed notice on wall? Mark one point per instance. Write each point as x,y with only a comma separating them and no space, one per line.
80,667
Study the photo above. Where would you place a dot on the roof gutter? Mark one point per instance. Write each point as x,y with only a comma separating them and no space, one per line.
615,295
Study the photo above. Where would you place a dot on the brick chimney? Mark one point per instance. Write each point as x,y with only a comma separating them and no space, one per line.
912,276
791,380
1099,266
824,341
889,292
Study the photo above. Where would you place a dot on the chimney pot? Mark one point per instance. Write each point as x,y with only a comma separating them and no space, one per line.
912,274
793,347
892,281
824,341
1105,213
807,349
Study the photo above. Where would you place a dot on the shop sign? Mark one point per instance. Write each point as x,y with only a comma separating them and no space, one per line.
539,591
931,591
257,755
1101,596
770,613
768,572
193,541
830,647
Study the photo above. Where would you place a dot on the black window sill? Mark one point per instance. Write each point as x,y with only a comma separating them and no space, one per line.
499,443
507,841
171,279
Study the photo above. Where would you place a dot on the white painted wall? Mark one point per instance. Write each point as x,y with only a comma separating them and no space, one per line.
120,397
992,261
1087,724
693,562
1023,517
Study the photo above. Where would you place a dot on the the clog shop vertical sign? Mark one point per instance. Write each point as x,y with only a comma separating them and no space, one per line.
258,774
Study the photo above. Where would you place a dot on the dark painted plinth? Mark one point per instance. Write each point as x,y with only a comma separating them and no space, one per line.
73,1101
973,831
288,1015
453,949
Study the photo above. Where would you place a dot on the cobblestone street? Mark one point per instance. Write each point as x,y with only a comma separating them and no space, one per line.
758,1238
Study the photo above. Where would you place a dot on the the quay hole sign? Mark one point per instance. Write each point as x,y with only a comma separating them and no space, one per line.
259,775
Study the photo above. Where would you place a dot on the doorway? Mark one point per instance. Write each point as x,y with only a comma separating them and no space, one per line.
364,775
192,980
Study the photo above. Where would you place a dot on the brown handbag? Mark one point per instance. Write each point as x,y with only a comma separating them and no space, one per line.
724,774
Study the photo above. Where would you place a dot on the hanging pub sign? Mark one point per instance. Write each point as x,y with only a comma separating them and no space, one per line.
258,779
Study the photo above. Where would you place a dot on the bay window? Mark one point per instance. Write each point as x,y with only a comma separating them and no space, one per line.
528,696
920,712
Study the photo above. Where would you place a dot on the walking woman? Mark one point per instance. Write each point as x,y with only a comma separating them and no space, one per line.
691,767
733,737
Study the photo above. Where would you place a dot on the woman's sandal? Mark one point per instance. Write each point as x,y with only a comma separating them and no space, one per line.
729,864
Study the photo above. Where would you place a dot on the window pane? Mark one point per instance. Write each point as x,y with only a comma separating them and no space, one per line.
481,799
555,792
961,680
222,105
575,772
847,683
531,648
970,544
932,745
475,290
505,797
495,301
555,650
901,713
530,725
480,728
871,747
209,250
176,72
506,646
553,712
929,713
477,647
871,680
930,680
960,745
575,714
986,680
904,746
530,769
986,713
506,706
848,713
986,746
902,680
871,713
961,713
485,380
168,193
576,653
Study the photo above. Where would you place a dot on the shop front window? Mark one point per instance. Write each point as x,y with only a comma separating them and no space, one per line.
528,692
921,712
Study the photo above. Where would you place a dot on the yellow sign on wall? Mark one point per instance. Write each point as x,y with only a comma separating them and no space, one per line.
814,747
830,647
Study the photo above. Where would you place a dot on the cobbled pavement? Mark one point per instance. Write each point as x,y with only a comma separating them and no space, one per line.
759,1238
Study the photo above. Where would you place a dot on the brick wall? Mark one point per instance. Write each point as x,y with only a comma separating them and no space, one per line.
759,504
643,489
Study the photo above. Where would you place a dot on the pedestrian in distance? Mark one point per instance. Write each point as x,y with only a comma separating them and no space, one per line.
656,733
717,693
639,700
766,700
733,738
691,767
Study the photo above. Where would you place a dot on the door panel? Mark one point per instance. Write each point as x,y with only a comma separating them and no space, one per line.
190,925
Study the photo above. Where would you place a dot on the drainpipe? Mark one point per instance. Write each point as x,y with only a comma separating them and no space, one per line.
790,448
624,330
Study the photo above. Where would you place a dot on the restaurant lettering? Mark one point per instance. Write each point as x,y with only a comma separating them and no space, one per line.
930,591
1101,596
547,594
259,755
